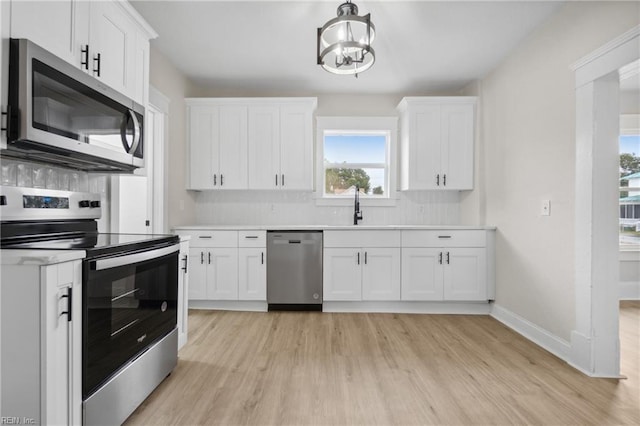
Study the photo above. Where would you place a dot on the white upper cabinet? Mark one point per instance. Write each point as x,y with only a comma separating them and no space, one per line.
250,143
112,42
264,147
217,146
437,142
107,39
61,27
296,145
281,145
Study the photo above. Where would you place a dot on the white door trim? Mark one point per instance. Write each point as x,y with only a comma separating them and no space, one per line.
160,103
595,347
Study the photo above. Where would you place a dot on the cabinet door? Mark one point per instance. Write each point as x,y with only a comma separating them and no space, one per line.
381,274
296,147
4,66
342,274
264,147
232,148
465,274
62,301
112,35
222,274
57,351
60,27
457,146
203,121
424,142
198,274
183,293
141,69
422,274
252,274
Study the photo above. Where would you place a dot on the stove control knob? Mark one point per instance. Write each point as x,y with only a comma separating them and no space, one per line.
83,204
95,204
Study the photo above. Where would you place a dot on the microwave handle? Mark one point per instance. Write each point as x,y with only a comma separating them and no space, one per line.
136,132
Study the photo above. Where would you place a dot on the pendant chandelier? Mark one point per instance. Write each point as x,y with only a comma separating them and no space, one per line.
344,43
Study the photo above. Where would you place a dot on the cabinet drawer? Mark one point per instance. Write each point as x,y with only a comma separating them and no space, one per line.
212,238
364,238
444,238
252,239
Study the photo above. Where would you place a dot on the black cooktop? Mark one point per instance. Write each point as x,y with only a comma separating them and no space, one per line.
97,244
68,236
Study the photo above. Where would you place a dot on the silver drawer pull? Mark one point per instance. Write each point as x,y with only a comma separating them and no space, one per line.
251,236
204,236
444,236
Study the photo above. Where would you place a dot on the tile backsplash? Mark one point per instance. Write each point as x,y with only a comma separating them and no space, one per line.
33,175
300,208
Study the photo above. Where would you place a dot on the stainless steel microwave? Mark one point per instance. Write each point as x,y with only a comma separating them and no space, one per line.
60,115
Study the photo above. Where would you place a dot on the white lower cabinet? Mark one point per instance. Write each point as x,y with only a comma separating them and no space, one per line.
183,293
361,273
252,274
454,270
41,343
422,274
214,273
227,265
465,274
342,274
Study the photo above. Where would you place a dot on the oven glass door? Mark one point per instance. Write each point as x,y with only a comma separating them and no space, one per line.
129,302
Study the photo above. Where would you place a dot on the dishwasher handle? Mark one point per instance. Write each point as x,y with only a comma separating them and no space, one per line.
287,242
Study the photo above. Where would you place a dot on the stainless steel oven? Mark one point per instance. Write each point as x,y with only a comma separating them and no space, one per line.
129,301
59,114
129,295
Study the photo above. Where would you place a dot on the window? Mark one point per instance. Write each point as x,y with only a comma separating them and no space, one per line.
629,190
356,152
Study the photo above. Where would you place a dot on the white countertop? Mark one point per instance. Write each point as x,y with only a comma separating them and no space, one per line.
329,227
39,257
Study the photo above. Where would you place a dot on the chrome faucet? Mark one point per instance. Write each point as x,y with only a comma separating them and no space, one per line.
357,214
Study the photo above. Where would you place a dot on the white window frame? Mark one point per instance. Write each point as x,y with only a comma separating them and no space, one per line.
629,126
357,125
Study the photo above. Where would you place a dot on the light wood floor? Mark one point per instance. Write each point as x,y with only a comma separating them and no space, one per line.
243,368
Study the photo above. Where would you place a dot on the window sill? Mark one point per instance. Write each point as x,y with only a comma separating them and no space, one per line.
364,202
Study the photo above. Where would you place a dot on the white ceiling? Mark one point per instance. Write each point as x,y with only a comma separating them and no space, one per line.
269,47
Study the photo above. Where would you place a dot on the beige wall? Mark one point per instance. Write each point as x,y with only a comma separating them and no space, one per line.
527,146
172,84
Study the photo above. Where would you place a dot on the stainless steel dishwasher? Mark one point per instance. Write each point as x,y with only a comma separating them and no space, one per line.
294,270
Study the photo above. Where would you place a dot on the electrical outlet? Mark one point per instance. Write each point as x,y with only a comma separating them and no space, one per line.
546,208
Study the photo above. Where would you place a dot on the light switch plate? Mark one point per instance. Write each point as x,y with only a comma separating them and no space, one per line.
546,208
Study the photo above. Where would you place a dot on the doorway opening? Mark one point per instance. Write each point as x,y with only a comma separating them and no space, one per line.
595,341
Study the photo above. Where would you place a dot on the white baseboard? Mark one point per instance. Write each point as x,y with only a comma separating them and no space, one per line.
541,337
462,308
229,305
629,290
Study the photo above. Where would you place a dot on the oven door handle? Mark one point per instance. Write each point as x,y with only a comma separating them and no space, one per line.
130,259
